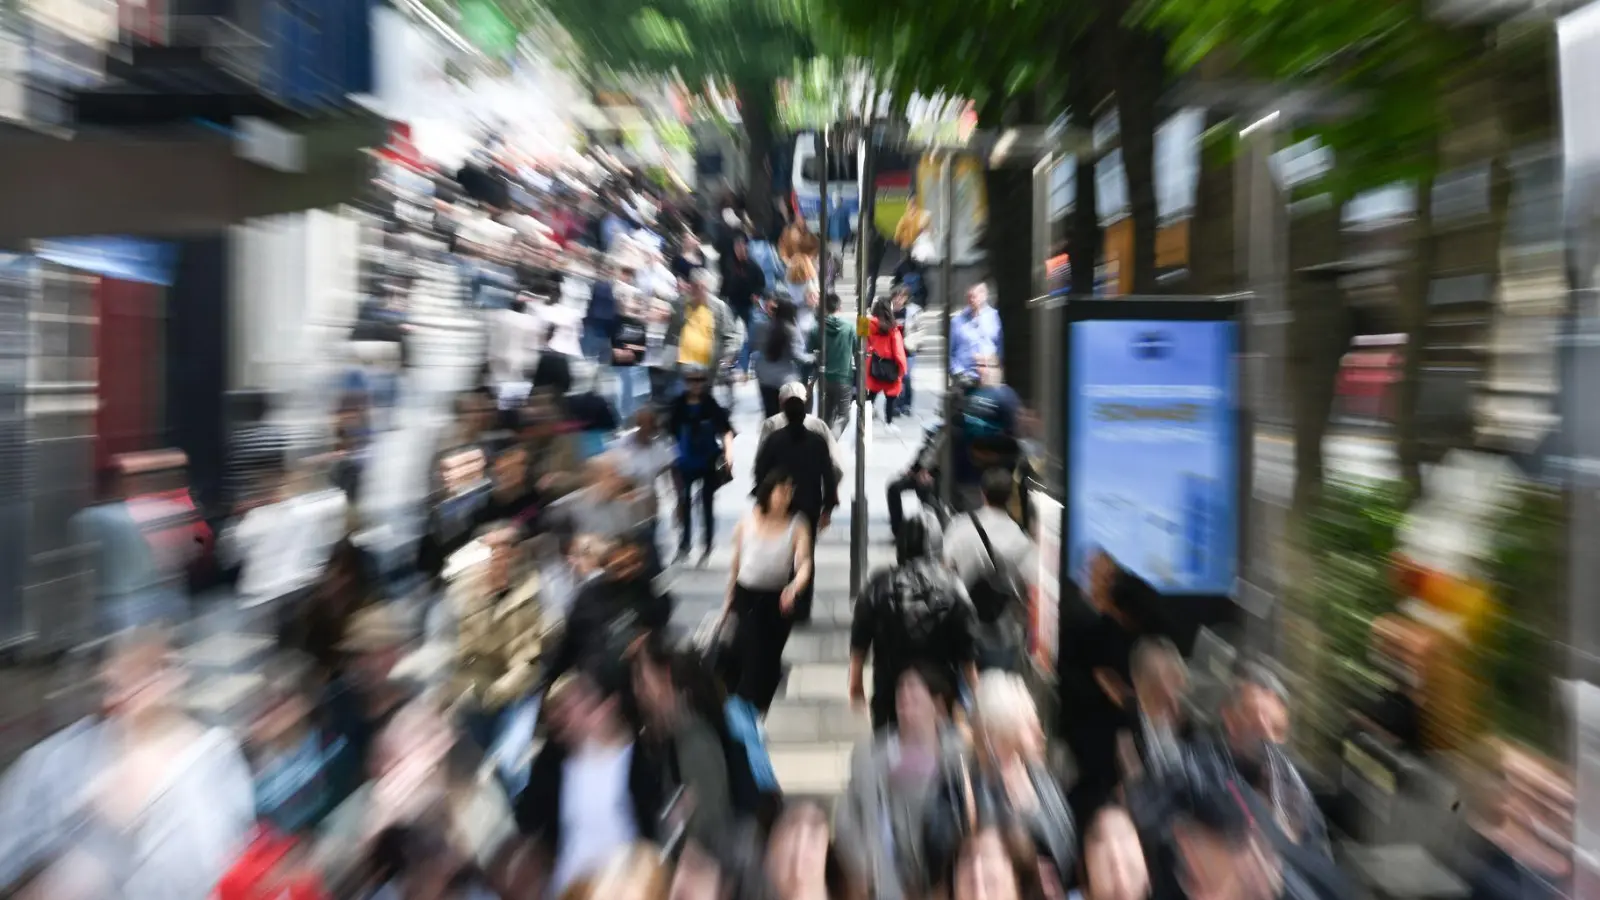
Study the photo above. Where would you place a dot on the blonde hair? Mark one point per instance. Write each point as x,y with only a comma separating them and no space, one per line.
1004,706
636,873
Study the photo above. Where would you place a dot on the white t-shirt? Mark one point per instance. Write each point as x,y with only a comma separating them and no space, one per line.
284,545
596,813
963,549
512,341
568,324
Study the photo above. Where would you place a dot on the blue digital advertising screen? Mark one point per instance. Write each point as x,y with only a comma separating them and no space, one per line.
1152,451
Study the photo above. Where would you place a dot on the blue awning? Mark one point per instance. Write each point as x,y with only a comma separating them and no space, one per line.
127,258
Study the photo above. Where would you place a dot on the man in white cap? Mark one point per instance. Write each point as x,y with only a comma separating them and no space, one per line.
794,390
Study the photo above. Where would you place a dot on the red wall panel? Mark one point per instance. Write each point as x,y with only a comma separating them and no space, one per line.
128,346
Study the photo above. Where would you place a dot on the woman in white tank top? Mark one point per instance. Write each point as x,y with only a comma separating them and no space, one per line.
771,565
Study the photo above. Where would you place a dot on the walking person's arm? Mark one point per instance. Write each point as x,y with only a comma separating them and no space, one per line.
733,567
725,426
830,493
802,569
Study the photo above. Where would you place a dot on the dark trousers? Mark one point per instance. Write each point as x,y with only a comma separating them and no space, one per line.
895,499
888,405
708,502
902,403
769,400
835,403
760,634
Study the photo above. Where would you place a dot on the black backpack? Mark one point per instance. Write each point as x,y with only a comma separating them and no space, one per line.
997,591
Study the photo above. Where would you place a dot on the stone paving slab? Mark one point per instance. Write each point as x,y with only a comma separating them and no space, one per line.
820,769
806,723
815,645
821,681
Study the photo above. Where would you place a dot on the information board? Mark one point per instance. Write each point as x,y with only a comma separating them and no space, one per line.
1152,451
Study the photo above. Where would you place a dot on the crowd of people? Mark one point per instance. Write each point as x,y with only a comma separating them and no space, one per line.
505,710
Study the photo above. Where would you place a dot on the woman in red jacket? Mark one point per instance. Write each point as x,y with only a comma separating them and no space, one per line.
886,357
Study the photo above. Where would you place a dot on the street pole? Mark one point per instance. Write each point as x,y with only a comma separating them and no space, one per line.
947,279
1262,255
822,256
865,279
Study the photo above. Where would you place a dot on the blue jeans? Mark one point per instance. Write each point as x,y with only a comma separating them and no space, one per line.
743,363
902,403
628,380
596,345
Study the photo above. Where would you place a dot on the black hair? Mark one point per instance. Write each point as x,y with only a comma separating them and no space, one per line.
883,311
997,485
763,492
833,302
780,332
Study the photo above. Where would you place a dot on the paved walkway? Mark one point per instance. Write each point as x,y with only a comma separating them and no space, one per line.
811,727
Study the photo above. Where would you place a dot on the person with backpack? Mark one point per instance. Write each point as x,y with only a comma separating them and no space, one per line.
886,359
996,562
704,436
987,426
916,612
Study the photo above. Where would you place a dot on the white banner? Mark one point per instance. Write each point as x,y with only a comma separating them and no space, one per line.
1044,622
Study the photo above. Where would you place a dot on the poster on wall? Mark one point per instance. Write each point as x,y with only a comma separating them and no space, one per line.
1152,451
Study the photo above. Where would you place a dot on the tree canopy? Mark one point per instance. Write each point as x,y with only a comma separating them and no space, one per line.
980,50
739,40
1391,58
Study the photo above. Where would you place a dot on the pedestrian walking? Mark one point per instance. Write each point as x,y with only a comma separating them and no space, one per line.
880,818
996,561
1005,778
975,333
916,612
794,390
783,355
771,566
704,435
839,374
629,341
807,458
908,314
886,359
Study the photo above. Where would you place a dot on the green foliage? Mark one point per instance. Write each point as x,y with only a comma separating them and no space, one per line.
738,40
1359,518
1353,531
965,48
813,96
1516,651
1391,56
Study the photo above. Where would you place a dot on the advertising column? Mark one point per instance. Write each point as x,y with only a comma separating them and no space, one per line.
1152,452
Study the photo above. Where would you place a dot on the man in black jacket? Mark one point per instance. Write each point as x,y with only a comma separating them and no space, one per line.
807,457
